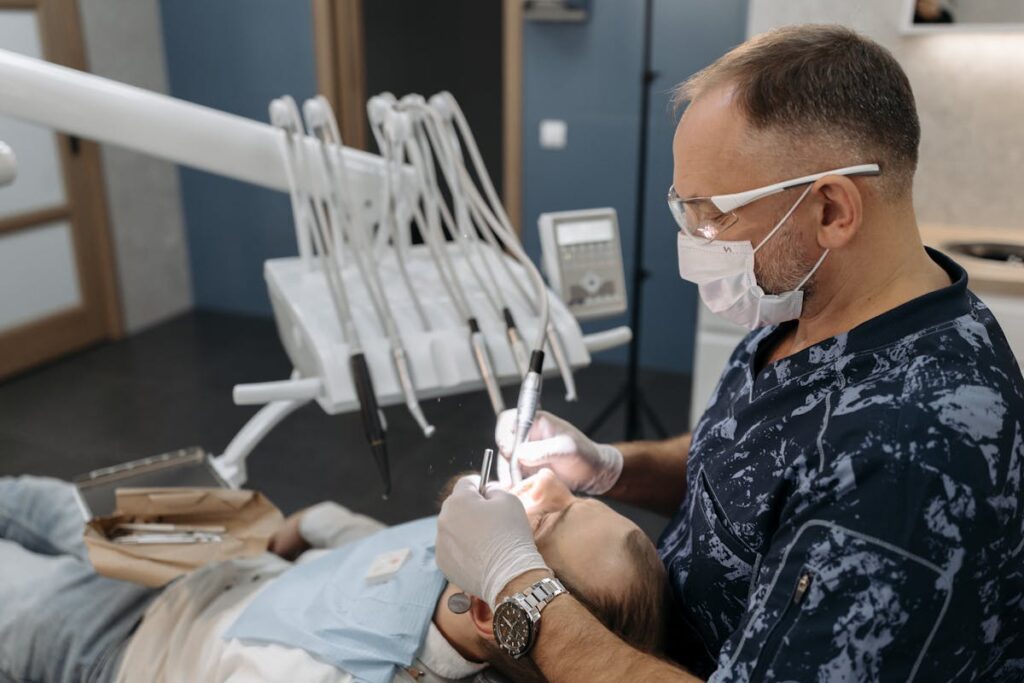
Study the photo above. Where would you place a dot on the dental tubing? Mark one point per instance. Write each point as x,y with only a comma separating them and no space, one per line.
322,123
447,104
284,114
380,112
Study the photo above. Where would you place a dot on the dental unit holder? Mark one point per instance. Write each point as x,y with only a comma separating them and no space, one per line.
440,360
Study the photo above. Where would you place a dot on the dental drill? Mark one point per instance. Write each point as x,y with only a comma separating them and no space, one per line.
284,115
322,123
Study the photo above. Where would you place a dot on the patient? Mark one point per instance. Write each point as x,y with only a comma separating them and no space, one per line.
59,621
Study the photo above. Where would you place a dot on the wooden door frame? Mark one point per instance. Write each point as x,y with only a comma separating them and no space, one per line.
339,47
98,316
512,111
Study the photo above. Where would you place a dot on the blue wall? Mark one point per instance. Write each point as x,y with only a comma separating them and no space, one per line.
589,75
236,55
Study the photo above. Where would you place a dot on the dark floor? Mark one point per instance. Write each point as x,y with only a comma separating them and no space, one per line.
170,387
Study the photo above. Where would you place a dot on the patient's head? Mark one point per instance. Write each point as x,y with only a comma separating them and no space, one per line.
605,560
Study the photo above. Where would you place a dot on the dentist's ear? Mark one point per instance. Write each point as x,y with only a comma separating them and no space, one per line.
483,618
840,211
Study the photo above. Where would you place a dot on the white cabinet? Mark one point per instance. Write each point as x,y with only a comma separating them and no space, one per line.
716,339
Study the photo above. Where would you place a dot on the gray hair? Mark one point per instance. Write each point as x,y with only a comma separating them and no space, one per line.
826,82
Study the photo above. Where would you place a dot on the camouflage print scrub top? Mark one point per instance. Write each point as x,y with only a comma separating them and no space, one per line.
853,511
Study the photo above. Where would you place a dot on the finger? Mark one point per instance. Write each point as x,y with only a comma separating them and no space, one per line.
471,482
493,488
504,468
546,451
505,431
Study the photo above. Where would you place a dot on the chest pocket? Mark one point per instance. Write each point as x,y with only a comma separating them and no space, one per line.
850,598
716,574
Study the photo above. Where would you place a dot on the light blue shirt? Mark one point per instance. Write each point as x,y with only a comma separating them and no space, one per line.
328,608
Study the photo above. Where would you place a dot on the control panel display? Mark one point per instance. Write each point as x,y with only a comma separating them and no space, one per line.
583,260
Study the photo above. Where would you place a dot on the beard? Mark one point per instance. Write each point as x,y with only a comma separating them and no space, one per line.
781,264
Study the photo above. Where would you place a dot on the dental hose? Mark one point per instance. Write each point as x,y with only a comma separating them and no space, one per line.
434,239
324,125
530,389
284,115
448,107
497,300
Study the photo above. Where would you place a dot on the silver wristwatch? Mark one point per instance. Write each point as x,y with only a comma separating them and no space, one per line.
517,618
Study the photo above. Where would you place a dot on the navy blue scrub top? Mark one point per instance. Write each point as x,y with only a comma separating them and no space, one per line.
853,512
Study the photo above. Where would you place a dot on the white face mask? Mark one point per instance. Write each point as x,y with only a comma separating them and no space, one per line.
724,274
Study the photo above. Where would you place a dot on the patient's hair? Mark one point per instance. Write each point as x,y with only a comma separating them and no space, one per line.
823,87
633,610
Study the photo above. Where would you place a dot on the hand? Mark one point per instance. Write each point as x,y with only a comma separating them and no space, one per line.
287,541
581,464
484,543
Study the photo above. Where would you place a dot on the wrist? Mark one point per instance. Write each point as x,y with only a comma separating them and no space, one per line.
620,486
611,470
522,582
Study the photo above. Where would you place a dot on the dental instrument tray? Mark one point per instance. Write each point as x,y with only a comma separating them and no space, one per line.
188,467
157,534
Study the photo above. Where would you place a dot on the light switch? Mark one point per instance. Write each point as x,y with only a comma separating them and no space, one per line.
554,133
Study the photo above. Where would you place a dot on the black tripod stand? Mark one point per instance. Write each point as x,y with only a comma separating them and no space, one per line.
631,394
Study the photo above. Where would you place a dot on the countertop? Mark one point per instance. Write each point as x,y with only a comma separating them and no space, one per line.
984,275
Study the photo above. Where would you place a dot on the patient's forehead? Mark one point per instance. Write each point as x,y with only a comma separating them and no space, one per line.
589,542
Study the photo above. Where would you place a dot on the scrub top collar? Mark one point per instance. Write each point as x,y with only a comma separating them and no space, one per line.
911,318
442,659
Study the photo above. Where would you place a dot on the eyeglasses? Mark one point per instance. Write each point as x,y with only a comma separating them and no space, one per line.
709,217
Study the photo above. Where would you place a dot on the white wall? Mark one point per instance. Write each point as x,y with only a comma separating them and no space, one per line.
124,41
970,99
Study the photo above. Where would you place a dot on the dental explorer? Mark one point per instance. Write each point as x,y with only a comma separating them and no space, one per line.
284,114
485,469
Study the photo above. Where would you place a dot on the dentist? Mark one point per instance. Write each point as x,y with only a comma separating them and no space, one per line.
850,506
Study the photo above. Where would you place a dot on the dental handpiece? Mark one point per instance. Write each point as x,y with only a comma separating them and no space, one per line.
373,426
515,340
324,128
526,409
434,239
486,366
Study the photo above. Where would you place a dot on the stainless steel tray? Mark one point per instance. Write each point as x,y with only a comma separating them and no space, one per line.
188,467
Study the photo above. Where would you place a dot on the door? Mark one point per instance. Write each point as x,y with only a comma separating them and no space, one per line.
471,48
57,284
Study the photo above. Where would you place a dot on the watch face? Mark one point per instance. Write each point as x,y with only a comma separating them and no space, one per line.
513,629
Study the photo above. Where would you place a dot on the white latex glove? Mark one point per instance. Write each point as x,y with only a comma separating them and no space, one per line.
581,464
484,543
